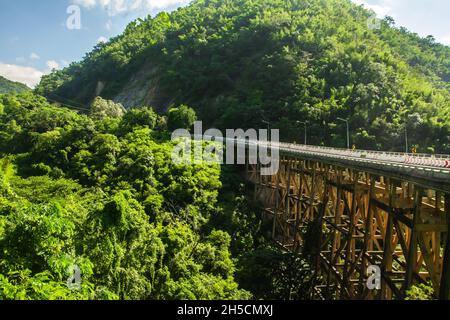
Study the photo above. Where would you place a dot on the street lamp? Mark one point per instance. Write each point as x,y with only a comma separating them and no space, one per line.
348,131
306,124
406,139
406,135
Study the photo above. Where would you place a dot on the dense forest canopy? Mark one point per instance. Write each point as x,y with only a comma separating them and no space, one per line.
7,86
99,191
239,62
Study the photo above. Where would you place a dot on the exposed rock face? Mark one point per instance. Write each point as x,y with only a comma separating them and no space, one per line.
142,89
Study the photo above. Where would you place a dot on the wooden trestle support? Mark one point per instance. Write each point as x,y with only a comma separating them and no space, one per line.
365,220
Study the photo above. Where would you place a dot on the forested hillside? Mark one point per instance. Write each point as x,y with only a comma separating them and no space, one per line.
7,86
239,62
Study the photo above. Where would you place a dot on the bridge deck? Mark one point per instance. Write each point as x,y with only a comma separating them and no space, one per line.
431,171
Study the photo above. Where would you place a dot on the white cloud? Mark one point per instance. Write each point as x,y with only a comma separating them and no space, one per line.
85,3
382,9
422,17
116,7
102,40
162,4
65,63
29,76
108,25
136,5
52,65
444,39
34,56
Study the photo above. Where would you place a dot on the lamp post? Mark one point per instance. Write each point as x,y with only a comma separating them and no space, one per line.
306,126
406,135
406,139
348,131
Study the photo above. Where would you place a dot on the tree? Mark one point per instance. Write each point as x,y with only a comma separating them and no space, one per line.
182,117
101,108
139,117
270,273
124,247
104,195
7,86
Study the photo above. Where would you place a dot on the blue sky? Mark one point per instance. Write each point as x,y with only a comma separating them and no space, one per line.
35,38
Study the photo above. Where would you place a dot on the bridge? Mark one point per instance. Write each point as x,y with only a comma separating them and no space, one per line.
363,208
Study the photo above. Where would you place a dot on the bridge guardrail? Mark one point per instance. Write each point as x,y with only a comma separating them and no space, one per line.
439,161
427,160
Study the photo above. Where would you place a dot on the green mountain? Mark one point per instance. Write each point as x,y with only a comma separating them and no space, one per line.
7,86
239,62
93,193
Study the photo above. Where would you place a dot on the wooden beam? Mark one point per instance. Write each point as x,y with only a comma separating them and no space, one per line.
411,260
444,293
387,256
